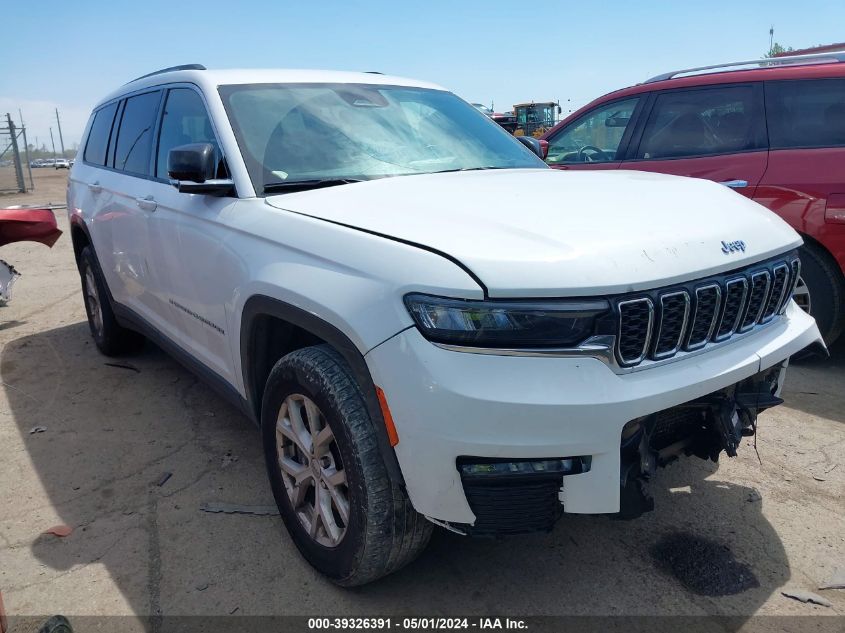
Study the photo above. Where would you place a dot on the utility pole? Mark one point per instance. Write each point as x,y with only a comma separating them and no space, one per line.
771,37
26,151
52,142
61,140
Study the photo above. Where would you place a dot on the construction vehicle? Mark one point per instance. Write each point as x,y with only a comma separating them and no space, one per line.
535,119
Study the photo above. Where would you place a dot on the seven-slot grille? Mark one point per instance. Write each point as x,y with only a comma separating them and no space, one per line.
687,318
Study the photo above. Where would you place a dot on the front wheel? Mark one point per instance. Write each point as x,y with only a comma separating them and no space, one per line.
346,516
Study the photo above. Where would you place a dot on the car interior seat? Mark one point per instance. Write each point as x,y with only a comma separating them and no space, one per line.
687,134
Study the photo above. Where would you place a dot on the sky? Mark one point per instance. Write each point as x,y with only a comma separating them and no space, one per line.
67,55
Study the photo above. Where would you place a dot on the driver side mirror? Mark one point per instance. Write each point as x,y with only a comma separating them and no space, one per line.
193,167
533,144
544,146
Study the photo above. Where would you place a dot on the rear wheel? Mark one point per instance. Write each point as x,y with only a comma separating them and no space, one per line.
346,516
820,291
111,338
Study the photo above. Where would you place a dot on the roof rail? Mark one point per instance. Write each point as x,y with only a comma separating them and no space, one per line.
171,69
786,60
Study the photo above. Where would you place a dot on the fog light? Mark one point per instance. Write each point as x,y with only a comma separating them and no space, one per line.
493,468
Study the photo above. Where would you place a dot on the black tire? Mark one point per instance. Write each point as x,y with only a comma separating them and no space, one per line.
111,338
56,624
383,532
827,295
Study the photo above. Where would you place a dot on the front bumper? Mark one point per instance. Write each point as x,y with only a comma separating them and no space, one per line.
447,404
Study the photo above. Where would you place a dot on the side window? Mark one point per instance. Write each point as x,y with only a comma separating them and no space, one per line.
593,137
135,136
806,113
700,123
185,121
98,138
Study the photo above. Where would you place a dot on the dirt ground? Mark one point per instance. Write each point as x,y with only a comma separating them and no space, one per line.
723,539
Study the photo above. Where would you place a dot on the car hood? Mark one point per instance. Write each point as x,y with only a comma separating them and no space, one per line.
544,232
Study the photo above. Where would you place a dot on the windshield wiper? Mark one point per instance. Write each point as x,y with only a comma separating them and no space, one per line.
448,171
304,185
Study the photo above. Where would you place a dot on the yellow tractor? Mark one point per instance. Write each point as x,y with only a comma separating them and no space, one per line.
534,119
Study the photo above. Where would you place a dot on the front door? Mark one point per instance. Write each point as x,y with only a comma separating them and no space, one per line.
200,275
594,140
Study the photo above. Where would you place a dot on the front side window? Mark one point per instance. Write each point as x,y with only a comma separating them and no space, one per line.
805,113
98,138
699,123
595,136
185,120
291,133
134,138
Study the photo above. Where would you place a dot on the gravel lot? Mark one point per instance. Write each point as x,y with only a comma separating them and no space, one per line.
723,539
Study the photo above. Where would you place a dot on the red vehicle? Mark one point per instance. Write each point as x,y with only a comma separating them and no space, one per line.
773,130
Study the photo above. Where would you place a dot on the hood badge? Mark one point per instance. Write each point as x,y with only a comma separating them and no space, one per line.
733,247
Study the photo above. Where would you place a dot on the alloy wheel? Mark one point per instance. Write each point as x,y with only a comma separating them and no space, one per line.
801,295
92,300
312,471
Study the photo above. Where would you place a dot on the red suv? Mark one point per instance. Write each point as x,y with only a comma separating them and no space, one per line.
773,130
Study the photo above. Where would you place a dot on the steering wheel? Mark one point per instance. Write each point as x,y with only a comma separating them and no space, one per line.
597,154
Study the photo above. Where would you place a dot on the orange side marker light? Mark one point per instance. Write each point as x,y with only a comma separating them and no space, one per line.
388,418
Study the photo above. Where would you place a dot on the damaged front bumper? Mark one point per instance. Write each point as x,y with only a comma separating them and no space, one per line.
703,427
571,430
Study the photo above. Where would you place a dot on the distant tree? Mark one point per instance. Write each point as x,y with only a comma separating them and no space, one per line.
777,49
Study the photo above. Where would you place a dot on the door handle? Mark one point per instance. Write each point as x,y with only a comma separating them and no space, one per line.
735,184
95,187
147,204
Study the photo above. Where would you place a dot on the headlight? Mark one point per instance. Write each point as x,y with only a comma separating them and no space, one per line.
503,324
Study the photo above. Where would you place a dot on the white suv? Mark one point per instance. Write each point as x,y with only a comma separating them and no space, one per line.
428,324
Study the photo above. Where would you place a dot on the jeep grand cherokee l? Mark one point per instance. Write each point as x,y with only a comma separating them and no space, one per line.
428,324
773,130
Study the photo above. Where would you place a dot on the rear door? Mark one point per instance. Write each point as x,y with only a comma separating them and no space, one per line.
805,179
129,219
597,139
713,132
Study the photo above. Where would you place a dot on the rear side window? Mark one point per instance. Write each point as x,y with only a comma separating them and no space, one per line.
134,138
700,122
98,138
185,121
806,113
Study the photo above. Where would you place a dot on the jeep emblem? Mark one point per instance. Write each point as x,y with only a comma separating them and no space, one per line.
733,247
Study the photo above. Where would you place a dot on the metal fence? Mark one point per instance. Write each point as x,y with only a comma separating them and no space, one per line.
15,169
